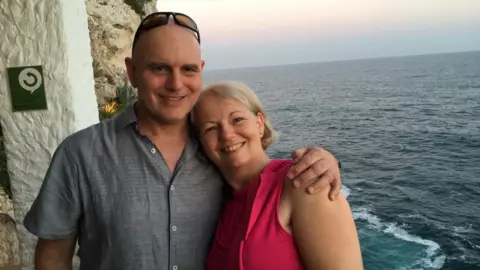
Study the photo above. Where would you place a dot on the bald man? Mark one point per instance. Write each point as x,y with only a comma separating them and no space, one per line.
134,191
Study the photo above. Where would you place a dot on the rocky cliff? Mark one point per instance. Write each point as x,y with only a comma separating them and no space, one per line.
9,247
112,24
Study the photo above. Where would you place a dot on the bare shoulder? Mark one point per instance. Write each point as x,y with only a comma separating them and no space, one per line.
300,195
319,199
324,230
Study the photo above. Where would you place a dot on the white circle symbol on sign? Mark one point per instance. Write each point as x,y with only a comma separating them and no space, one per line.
30,79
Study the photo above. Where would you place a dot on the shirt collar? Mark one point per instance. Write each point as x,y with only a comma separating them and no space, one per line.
128,117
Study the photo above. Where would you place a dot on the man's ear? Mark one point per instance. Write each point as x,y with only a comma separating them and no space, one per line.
202,65
130,71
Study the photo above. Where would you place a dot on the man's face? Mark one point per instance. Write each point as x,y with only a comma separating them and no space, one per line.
166,67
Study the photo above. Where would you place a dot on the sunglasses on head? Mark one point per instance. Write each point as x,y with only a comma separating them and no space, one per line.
161,18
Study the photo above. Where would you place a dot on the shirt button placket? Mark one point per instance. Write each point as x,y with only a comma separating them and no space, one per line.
173,229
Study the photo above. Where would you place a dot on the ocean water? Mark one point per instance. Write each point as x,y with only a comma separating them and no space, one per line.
407,131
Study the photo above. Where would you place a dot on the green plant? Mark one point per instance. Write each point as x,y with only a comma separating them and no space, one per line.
125,95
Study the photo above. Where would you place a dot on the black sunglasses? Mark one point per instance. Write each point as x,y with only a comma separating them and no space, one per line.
161,18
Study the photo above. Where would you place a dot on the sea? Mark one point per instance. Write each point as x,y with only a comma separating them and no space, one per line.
407,133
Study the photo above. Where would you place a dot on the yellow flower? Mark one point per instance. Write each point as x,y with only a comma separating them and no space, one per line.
111,107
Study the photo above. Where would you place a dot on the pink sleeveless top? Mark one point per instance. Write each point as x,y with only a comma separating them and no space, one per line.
249,235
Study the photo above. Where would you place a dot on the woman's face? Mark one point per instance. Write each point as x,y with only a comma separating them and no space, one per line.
229,133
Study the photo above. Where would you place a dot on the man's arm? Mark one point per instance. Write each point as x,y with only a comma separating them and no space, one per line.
54,254
316,168
54,215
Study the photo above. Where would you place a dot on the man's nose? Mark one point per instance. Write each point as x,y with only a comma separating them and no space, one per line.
174,81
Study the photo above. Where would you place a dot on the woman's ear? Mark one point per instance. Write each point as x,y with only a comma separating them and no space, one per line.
261,122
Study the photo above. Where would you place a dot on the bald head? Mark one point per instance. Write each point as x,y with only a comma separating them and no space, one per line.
166,68
171,38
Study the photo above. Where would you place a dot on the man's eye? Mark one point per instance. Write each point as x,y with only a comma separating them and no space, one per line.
210,129
190,69
159,68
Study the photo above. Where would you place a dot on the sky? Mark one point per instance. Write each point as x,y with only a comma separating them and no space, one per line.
243,33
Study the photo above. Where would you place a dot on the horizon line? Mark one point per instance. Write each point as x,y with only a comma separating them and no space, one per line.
344,60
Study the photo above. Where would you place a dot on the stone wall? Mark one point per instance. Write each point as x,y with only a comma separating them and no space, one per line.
111,24
9,247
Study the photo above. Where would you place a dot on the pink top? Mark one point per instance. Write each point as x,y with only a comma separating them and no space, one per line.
249,235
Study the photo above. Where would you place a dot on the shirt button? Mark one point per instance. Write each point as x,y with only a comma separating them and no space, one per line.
175,267
153,150
172,187
174,228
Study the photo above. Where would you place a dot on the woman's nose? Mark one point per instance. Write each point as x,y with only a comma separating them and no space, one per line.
227,133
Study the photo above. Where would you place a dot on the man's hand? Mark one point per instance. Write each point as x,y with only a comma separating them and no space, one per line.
317,168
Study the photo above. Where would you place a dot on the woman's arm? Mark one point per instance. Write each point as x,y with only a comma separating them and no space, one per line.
324,231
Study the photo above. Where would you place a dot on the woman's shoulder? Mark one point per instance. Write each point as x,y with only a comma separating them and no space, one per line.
274,174
279,165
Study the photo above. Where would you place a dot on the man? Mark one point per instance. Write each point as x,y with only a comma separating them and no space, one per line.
135,191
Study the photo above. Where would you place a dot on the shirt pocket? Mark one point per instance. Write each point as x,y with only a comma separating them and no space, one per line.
124,210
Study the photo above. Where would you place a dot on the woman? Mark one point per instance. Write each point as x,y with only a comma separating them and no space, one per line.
266,224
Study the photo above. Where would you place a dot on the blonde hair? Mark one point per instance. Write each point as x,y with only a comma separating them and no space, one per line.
243,94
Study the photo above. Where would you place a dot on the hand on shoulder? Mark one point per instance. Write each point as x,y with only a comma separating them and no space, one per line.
316,169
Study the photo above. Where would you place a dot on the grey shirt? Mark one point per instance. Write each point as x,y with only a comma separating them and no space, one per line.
109,186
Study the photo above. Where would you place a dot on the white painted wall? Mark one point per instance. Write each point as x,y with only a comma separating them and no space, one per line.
52,33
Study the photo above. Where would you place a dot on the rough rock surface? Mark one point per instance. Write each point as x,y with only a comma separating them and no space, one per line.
53,34
112,24
9,253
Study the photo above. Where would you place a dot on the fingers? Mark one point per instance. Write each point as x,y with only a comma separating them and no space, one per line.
299,153
321,183
336,186
327,179
310,173
308,158
317,169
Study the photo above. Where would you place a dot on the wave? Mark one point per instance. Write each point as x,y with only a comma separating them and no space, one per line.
434,258
464,248
463,229
346,191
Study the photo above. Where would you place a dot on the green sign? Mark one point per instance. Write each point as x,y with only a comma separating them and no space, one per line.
27,89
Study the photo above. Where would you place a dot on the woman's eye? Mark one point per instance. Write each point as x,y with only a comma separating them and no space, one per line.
237,120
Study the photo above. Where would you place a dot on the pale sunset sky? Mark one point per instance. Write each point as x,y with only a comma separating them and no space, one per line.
241,33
